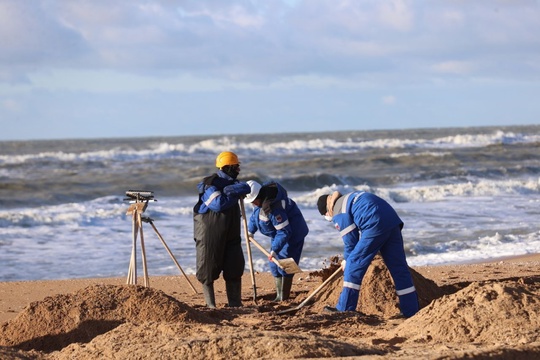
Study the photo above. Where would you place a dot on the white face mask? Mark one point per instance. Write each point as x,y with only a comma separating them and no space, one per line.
327,218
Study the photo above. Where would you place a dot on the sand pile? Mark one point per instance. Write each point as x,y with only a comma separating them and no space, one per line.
467,317
377,293
172,341
59,320
504,312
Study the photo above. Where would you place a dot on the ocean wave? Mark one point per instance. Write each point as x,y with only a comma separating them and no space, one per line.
93,212
267,146
487,247
478,188
90,213
430,192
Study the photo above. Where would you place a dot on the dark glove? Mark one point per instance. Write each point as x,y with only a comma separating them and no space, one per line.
237,189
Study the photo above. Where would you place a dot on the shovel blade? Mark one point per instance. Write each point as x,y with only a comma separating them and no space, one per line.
290,311
289,266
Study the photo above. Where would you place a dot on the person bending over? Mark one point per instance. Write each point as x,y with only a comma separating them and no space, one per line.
278,217
368,225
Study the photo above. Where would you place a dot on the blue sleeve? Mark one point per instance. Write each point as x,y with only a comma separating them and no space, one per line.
280,221
240,188
253,222
217,201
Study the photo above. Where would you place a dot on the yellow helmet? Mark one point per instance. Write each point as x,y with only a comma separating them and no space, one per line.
226,158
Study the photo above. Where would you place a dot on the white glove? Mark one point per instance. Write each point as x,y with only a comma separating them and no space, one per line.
343,263
250,235
272,255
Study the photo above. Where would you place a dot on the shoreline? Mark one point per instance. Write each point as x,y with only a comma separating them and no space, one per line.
510,258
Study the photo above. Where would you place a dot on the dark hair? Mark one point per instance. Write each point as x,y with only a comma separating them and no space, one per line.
321,204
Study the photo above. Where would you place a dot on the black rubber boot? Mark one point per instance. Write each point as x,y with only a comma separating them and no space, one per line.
234,292
209,297
286,289
279,288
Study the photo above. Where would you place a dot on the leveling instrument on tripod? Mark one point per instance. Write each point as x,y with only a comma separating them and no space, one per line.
139,200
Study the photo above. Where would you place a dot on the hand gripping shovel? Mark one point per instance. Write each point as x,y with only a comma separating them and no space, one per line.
315,292
288,265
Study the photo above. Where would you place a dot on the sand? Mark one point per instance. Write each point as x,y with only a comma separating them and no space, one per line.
470,311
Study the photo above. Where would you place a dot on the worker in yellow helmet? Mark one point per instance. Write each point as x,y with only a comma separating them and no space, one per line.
216,218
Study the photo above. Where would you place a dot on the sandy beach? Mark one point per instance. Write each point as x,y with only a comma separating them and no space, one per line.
481,310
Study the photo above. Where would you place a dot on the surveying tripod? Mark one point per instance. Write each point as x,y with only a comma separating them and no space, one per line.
139,200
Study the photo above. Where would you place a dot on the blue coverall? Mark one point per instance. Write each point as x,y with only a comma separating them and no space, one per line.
368,225
283,222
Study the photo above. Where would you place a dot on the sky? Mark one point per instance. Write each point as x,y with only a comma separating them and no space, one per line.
131,68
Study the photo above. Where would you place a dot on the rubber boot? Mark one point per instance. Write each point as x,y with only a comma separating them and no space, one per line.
279,288
234,292
286,289
209,297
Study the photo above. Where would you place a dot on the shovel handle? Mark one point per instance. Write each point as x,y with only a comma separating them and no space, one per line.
251,271
260,247
330,278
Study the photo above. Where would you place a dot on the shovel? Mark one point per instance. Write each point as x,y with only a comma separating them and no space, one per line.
298,307
251,271
288,265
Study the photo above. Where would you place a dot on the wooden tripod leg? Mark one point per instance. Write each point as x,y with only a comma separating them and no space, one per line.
132,271
172,256
143,252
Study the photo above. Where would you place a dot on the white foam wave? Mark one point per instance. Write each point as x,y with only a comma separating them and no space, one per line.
326,146
477,188
431,192
425,153
485,248
312,146
84,214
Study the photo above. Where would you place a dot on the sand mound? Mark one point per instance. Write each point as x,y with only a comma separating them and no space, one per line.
377,293
172,341
474,318
505,312
7,353
57,321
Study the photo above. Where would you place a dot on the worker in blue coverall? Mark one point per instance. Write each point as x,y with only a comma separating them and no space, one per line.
278,217
216,222
368,225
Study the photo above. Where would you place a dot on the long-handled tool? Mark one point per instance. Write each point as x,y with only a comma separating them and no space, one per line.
288,265
315,292
248,246
151,222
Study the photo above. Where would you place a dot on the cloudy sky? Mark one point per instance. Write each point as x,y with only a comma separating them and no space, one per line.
101,68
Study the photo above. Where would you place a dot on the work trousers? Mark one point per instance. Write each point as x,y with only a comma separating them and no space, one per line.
390,246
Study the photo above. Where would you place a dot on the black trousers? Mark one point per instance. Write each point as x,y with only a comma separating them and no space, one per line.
218,245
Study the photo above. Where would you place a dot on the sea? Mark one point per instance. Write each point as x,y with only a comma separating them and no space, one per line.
465,195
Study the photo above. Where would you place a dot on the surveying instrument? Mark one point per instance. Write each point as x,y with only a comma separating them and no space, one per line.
139,200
